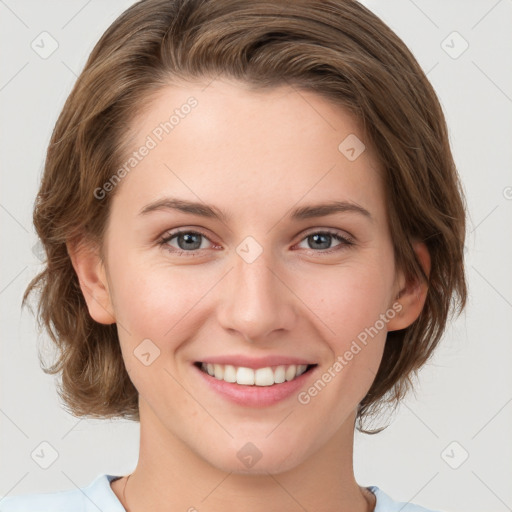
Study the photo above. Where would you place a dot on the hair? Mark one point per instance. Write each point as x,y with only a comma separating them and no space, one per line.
336,48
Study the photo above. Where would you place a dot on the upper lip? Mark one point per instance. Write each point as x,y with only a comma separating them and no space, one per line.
255,362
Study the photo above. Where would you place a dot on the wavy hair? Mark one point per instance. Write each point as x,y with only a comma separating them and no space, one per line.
336,48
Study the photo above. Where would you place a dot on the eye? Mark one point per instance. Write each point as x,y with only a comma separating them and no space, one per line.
323,240
187,242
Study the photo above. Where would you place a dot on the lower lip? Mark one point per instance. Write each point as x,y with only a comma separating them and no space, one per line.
255,396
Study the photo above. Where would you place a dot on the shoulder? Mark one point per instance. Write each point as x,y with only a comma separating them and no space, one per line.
96,496
387,504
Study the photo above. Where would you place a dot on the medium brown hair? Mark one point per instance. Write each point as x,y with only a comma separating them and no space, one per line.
335,48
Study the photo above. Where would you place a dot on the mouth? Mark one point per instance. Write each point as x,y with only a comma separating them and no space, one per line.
263,377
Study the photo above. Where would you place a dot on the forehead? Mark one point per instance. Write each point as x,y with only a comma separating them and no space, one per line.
222,142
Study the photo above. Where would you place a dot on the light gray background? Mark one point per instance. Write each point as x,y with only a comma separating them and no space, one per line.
465,393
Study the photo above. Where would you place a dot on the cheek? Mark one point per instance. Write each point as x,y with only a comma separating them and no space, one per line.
154,301
356,338
354,307
154,310
350,299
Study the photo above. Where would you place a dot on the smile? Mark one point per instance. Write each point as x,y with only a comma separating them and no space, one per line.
266,376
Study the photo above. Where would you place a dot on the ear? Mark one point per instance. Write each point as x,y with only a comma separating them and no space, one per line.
412,294
93,280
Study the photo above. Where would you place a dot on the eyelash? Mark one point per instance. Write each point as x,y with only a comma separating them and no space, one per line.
164,242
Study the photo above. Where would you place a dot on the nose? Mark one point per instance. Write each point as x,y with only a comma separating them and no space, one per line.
256,302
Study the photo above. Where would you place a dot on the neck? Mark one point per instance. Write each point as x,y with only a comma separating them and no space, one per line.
169,476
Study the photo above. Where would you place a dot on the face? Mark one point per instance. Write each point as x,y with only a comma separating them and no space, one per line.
258,276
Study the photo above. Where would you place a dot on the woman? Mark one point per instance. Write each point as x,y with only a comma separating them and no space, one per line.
254,230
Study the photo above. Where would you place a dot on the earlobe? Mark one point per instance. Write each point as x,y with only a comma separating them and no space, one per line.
412,295
91,275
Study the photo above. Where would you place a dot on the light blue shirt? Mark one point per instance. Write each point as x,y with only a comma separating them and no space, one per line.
100,496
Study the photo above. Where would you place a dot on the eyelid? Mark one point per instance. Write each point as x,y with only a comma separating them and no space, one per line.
314,230
168,235
330,231
344,237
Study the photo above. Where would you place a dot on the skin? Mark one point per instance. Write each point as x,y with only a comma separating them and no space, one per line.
254,155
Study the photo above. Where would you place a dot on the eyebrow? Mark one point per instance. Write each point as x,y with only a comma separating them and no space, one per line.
210,211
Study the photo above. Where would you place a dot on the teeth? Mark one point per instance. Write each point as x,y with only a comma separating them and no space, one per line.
218,371
279,375
229,373
301,369
264,377
248,377
245,376
290,373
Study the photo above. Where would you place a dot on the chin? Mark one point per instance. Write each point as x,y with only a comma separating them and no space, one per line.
250,460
